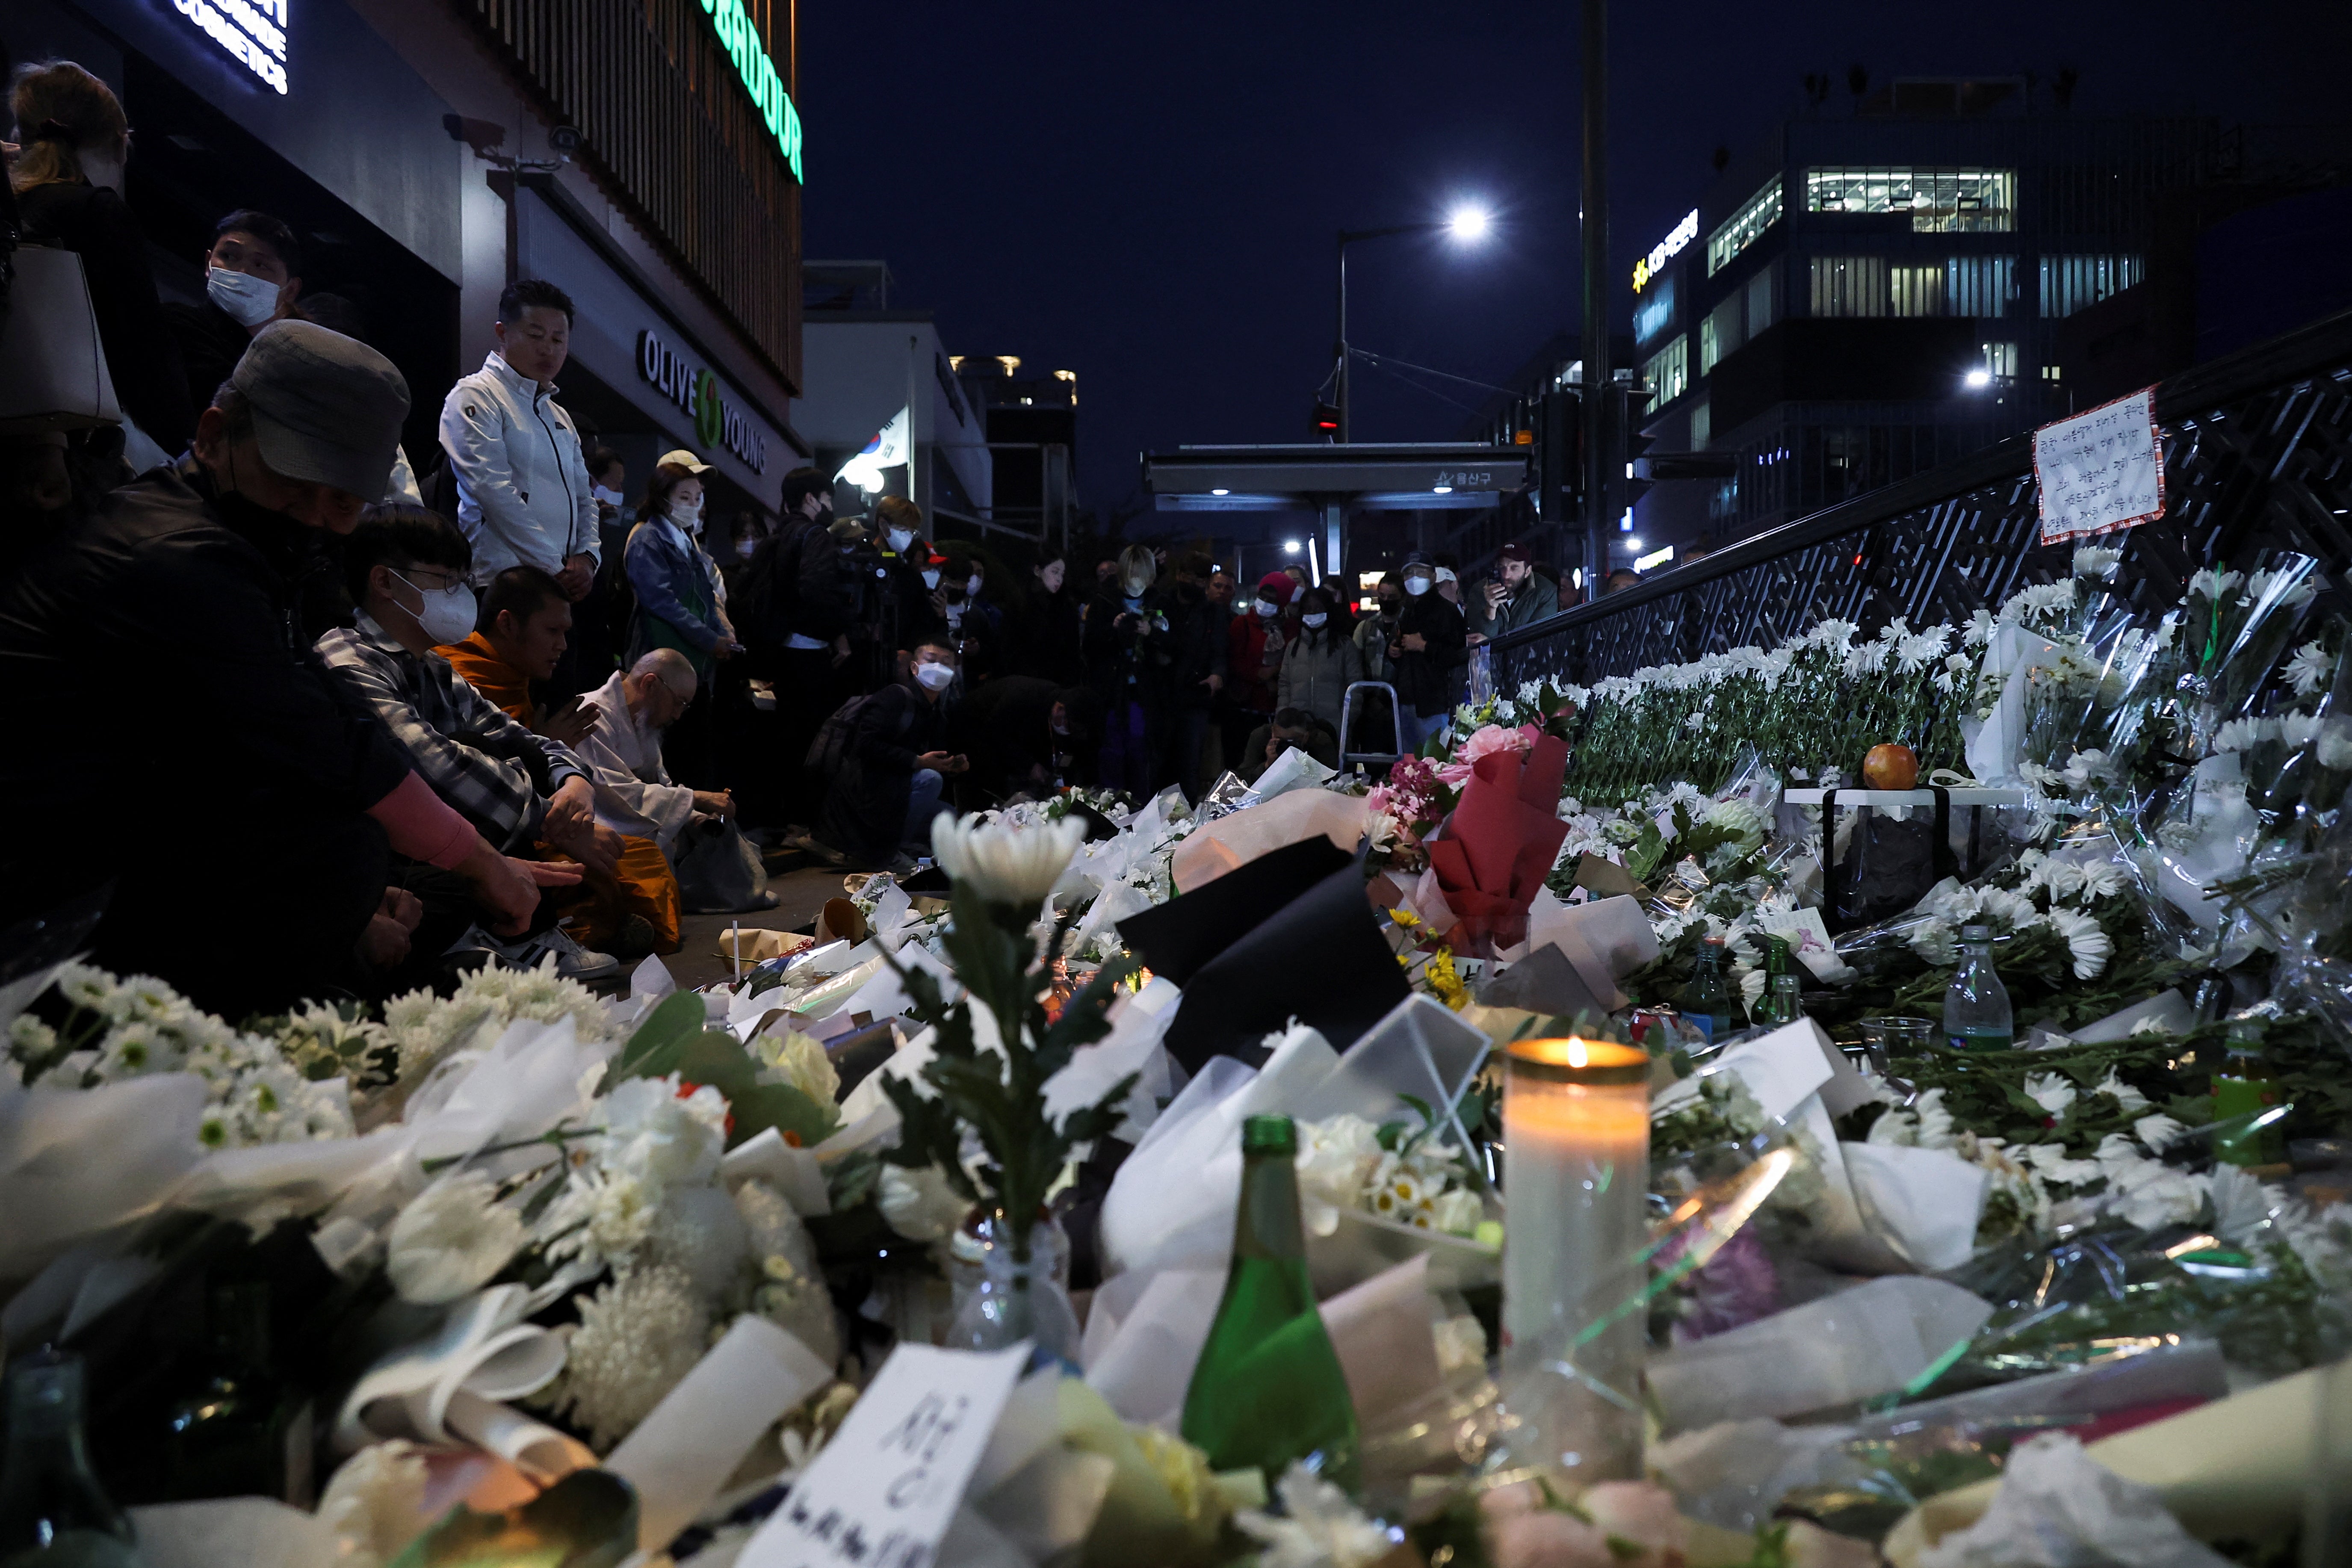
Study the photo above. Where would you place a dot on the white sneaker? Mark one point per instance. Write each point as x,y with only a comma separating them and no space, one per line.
573,961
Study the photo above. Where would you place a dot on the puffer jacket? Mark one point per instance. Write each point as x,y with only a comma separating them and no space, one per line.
1317,671
524,497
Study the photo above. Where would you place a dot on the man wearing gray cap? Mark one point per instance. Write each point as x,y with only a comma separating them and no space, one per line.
176,737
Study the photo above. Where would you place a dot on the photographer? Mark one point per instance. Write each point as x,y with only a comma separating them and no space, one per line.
1128,653
1512,598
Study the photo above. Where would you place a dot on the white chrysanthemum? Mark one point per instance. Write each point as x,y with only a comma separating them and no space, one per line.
1934,941
2158,1132
2062,879
638,1337
2309,669
2335,745
2296,731
2050,1161
429,1027
1461,1343
654,1132
1457,1211
374,1505
1322,1530
2050,1091
2206,583
1005,865
800,1060
2087,942
2244,734
2016,912
1980,628
2293,590
452,1240
2096,561
919,1204
2103,880
1336,1157
2131,1099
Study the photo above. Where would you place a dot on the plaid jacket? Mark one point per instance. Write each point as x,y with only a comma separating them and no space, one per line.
491,770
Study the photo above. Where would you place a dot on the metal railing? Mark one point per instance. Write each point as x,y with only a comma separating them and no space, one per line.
2258,457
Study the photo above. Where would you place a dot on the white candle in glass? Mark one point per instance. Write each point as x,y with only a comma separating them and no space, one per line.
1576,1139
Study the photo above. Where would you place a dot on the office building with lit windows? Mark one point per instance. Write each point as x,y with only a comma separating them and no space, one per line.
1876,291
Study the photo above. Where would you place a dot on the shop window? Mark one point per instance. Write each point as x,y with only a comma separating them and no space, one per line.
1763,295
1744,227
1701,424
1940,201
1720,333
1849,285
2000,359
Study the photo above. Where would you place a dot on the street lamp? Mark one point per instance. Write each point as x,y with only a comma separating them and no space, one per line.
1978,379
1467,224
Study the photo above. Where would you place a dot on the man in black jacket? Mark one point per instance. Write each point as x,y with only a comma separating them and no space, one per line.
1428,644
165,694
892,767
253,275
1197,673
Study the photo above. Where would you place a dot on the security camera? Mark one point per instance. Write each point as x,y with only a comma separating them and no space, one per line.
565,139
484,136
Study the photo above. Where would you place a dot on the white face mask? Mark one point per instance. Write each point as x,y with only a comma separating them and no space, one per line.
747,548
899,539
971,586
935,677
688,518
448,613
1416,586
1267,608
930,577
248,300
1313,618
609,496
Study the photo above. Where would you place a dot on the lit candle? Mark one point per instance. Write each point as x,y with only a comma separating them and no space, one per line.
1576,1139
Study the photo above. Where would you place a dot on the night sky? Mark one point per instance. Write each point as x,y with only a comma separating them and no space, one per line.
1147,194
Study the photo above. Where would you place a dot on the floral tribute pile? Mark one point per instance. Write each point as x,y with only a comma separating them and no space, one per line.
520,1233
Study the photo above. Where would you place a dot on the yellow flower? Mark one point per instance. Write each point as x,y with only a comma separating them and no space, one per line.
1445,980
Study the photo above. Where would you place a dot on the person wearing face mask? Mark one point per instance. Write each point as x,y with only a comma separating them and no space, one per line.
976,621
681,602
1253,660
1128,657
253,276
67,182
1197,672
600,622
895,762
1318,669
529,793
1425,651
317,812
913,603
524,497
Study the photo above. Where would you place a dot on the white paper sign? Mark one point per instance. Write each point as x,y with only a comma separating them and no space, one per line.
884,1490
2100,469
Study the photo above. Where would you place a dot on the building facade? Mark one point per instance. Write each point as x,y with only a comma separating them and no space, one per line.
644,155
1865,296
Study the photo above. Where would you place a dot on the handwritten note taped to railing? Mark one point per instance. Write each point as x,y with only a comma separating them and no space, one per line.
884,1490
2101,470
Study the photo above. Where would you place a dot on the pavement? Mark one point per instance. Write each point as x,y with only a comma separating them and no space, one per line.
800,894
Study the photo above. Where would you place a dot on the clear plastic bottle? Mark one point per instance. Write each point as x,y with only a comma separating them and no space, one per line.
1977,1015
52,1509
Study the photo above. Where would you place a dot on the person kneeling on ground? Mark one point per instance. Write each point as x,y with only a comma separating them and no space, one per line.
1291,729
526,625
405,568
627,716
887,789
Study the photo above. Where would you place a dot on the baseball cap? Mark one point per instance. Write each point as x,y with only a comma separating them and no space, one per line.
1445,574
326,408
1516,552
683,459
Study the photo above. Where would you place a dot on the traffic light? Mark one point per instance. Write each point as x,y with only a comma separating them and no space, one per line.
1326,420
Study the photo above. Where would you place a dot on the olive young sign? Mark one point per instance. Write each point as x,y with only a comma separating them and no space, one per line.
758,73
696,392
1665,250
252,32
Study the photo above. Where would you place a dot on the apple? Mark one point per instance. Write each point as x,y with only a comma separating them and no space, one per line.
1890,766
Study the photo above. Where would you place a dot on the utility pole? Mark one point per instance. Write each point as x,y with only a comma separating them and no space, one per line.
1596,390
1340,394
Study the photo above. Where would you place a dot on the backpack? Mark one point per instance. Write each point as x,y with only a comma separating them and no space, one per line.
831,747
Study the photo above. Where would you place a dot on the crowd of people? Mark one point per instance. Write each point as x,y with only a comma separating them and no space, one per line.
392,711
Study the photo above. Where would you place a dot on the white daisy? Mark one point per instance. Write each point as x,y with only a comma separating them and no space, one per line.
2086,941
2309,668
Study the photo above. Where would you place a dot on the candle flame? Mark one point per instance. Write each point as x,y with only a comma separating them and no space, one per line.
1577,1055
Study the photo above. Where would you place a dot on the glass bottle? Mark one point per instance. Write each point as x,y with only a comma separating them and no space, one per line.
238,1431
1976,1004
53,1515
1268,1389
1781,1005
1007,1289
2243,1086
1707,1001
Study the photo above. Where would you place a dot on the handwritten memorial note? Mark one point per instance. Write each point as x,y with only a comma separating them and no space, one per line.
2100,470
885,1490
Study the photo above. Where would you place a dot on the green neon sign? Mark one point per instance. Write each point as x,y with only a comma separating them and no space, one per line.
741,40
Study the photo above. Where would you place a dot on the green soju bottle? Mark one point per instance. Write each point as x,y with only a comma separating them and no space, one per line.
1782,1002
2244,1087
1706,1000
53,1513
1268,1389
238,1430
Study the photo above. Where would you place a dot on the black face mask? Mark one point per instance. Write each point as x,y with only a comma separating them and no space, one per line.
1187,593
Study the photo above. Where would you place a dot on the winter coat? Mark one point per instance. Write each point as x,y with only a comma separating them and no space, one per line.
1317,671
1426,679
523,493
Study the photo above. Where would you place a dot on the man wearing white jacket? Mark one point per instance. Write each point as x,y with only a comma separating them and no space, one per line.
524,497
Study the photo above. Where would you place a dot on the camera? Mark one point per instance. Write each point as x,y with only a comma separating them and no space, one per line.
566,140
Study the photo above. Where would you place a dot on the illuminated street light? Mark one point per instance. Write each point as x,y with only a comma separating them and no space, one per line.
1290,547
1978,379
1469,224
